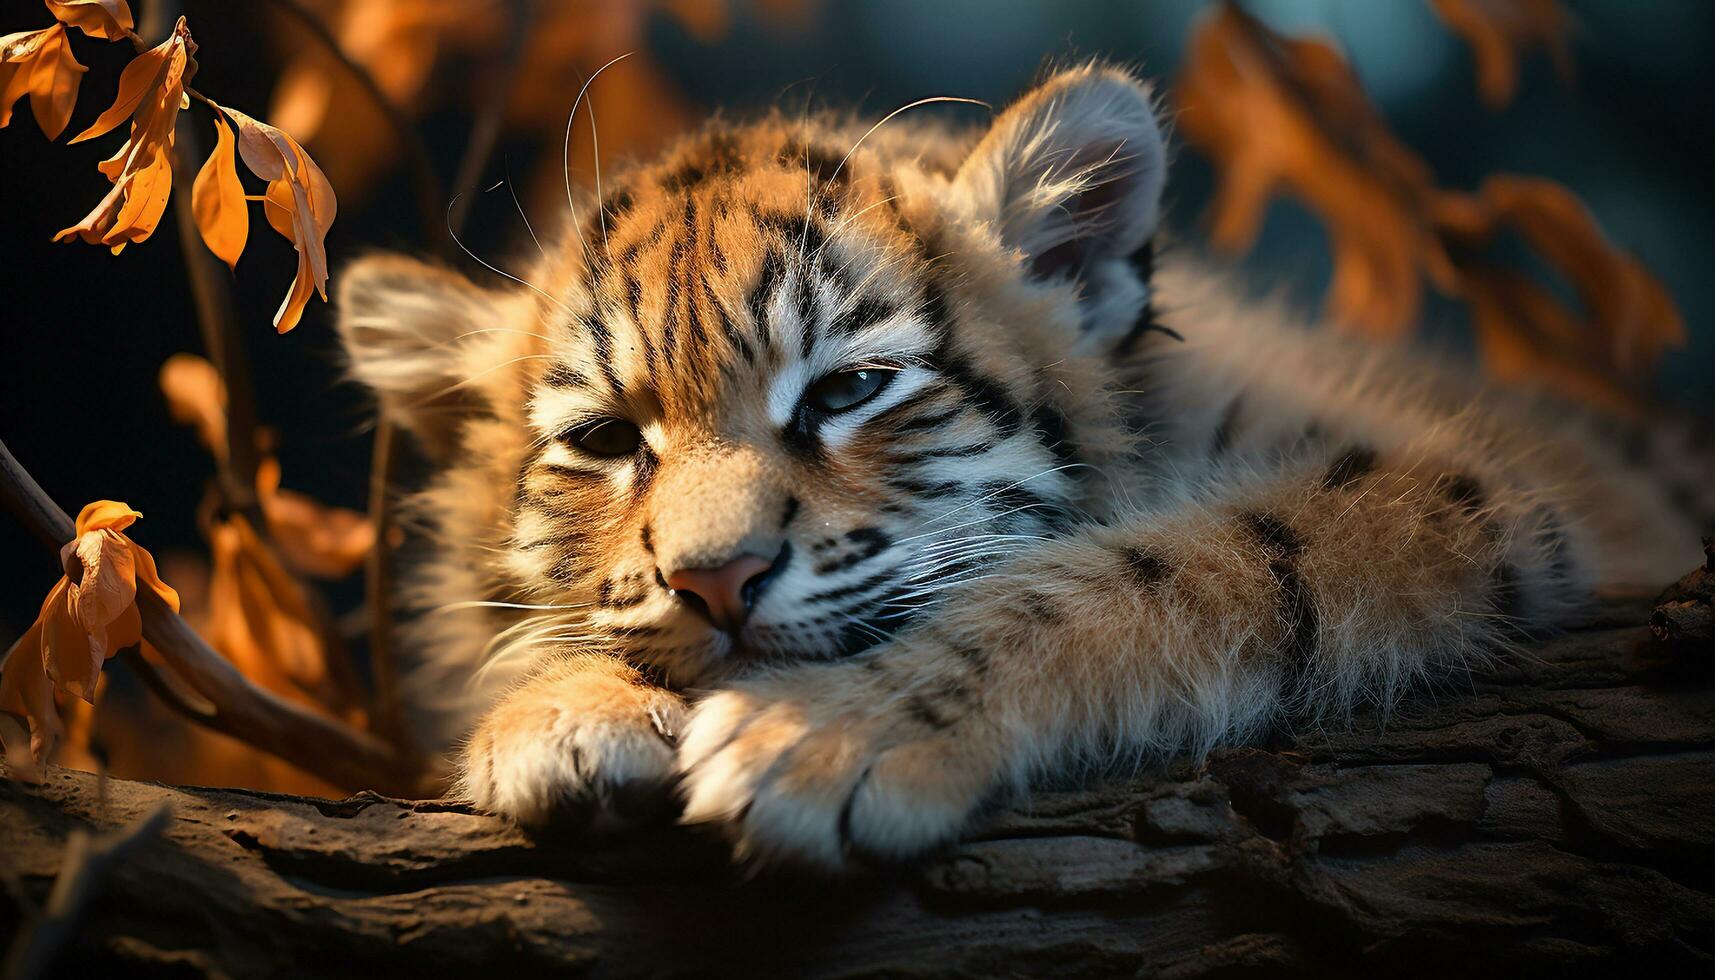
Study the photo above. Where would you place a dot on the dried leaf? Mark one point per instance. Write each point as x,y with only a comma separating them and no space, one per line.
1280,115
217,198
69,655
40,64
1629,310
1498,30
89,615
106,589
196,397
313,538
151,91
1601,354
328,542
109,20
259,617
146,73
29,722
300,206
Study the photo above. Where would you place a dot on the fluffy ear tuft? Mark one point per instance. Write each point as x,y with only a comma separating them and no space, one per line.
1072,173
419,335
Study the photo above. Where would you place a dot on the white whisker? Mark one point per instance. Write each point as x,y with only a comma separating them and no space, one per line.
492,268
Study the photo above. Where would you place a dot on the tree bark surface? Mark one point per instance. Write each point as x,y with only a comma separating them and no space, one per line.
1554,813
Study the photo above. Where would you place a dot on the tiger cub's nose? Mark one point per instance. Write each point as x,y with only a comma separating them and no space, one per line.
724,595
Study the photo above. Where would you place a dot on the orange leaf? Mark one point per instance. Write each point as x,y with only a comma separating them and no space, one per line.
90,614
54,84
29,722
197,397
109,20
259,617
217,198
1602,353
300,206
1289,115
152,91
106,515
107,587
328,542
68,655
1628,307
146,73
1497,30
40,63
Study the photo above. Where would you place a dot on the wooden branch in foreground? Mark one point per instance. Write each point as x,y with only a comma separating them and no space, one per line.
313,742
1553,816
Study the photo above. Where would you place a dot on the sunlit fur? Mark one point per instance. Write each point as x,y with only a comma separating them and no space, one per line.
1105,508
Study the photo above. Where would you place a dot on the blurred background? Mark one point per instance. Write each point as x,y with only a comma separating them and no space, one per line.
84,332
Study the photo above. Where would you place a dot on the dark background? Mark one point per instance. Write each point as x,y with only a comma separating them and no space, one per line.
82,333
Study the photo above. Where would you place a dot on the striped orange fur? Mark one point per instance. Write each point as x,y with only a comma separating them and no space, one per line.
1026,496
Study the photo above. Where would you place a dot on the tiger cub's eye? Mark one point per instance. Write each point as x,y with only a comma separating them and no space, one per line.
845,390
607,437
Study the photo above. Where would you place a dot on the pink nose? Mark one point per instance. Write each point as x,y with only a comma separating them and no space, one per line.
723,594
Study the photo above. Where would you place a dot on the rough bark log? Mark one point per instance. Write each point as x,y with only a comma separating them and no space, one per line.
1554,814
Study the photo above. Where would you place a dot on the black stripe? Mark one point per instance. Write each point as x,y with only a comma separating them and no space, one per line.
891,417
807,303
1146,569
1054,431
1352,466
643,474
868,542
1298,607
767,283
866,312
733,335
562,376
1040,609
572,472
1462,490
608,597
604,353
1148,319
985,393
850,590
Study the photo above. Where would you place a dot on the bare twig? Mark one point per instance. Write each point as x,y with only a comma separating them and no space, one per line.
422,164
311,741
385,715
504,71
88,859
212,294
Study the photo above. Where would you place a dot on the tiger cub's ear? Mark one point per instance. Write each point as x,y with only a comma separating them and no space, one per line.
1071,175
430,343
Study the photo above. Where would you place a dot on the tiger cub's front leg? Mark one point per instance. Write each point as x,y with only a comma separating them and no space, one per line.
1334,581
584,741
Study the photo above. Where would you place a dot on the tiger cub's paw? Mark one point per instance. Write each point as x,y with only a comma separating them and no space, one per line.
590,760
833,766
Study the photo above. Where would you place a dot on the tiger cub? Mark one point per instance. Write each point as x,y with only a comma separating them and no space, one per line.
827,482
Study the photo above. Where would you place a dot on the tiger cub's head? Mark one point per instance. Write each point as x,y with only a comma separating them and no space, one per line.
785,386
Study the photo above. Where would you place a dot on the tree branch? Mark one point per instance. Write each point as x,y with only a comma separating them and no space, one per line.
1553,814
310,741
